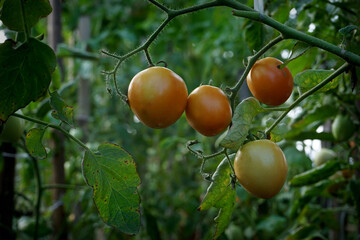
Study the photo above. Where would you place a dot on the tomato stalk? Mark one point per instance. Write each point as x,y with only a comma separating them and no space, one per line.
290,33
340,70
23,18
46,124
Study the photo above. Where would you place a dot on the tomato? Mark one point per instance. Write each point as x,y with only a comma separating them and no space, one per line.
208,110
268,83
157,96
323,156
12,130
342,127
261,168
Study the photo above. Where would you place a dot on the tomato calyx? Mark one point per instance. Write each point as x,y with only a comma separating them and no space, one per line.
253,137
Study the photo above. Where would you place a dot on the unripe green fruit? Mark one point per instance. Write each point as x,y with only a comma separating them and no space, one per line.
342,128
12,130
323,156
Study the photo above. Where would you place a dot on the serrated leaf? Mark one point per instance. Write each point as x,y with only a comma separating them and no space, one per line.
223,218
111,173
241,123
63,111
25,74
33,9
219,185
34,143
310,78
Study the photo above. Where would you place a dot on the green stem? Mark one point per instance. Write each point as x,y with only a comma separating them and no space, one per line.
61,186
52,126
290,33
39,194
252,61
23,18
340,70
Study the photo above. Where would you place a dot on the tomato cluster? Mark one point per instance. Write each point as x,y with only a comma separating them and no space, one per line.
158,97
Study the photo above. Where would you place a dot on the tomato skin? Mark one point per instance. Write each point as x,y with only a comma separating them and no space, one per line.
342,127
261,168
208,110
12,130
157,96
268,83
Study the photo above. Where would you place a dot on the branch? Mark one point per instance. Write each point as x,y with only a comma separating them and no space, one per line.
160,6
290,33
52,126
340,70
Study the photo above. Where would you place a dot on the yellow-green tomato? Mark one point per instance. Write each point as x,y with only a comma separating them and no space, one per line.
261,168
12,130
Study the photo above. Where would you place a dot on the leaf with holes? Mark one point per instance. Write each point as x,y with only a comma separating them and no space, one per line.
310,78
242,122
62,111
33,9
25,74
111,173
33,143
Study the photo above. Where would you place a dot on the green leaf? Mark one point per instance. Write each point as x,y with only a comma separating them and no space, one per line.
25,74
254,34
316,174
34,10
354,187
298,50
348,30
62,111
307,232
111,173
224,216
277,134
241,123
219,185
310,78
33,143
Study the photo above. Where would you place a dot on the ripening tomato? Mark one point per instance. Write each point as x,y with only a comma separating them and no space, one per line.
157,96
12,129
268,83
261,168
208,110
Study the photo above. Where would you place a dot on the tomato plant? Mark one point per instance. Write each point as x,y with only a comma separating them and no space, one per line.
157,96
261,168
208,110
343,127
12,130
269,83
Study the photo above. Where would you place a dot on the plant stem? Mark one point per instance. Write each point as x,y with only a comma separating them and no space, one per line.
62,186
23,18
39,194
252,61
53,126
290,33
340,70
